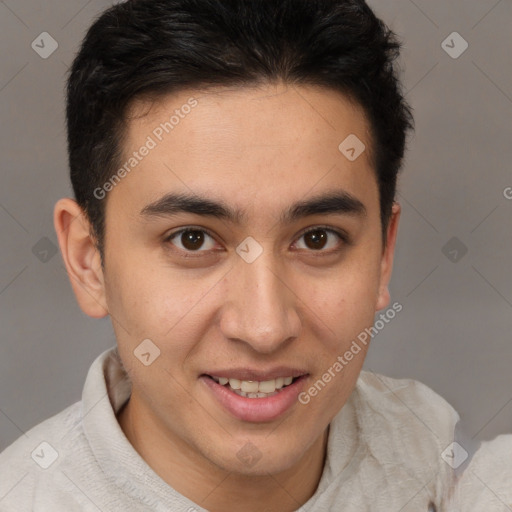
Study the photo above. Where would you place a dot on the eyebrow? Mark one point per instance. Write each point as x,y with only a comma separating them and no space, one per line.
338,202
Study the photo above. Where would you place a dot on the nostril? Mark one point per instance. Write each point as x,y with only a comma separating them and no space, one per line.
432,507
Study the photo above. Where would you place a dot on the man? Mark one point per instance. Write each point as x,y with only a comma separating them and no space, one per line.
234,165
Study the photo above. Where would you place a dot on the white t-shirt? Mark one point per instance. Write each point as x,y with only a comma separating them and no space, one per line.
383,454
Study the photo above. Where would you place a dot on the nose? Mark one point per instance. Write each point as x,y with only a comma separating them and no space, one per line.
261,306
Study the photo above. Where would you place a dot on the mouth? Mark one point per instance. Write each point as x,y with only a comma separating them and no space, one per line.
255,400
254,388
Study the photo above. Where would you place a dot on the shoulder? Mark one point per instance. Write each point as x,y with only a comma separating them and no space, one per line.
23,464
55,428
486,481
407,421
400,429
405,398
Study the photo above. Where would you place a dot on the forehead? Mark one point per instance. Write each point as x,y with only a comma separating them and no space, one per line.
248,144
276,115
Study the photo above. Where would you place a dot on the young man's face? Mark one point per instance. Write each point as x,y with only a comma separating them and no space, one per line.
250,298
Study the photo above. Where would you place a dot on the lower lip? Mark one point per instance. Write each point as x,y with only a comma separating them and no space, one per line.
256,410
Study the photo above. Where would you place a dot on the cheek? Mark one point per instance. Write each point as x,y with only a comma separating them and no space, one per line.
158,304
343,299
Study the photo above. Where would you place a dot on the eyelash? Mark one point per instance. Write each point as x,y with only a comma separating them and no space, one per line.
343,236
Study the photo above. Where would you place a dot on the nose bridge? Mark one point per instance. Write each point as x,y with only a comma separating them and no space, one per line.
262,308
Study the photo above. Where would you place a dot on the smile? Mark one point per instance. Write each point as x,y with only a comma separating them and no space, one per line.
252,400
254,388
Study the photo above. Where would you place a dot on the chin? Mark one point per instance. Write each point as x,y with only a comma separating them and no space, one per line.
259,458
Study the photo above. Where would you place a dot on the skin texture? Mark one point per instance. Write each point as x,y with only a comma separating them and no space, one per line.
260,150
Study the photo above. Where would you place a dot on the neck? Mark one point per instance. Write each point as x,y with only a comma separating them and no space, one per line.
213,488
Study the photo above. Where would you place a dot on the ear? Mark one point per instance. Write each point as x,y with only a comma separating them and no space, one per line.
81,257
388,253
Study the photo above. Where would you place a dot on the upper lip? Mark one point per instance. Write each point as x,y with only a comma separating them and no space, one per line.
259,375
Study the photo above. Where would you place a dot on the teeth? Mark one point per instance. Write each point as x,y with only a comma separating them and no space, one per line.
267,386
250,386
253,387
235,383
254,395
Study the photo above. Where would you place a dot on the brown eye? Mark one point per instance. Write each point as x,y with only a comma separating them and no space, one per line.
318,239
315,239
191,240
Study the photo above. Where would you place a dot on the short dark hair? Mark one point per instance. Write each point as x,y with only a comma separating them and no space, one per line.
145,49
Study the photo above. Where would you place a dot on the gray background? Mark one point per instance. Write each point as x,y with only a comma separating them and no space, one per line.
454,332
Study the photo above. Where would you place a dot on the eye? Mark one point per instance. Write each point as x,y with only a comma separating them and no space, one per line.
317,239
320,238
191,240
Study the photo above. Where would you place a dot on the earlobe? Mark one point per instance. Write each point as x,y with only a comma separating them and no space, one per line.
383,298
81,257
